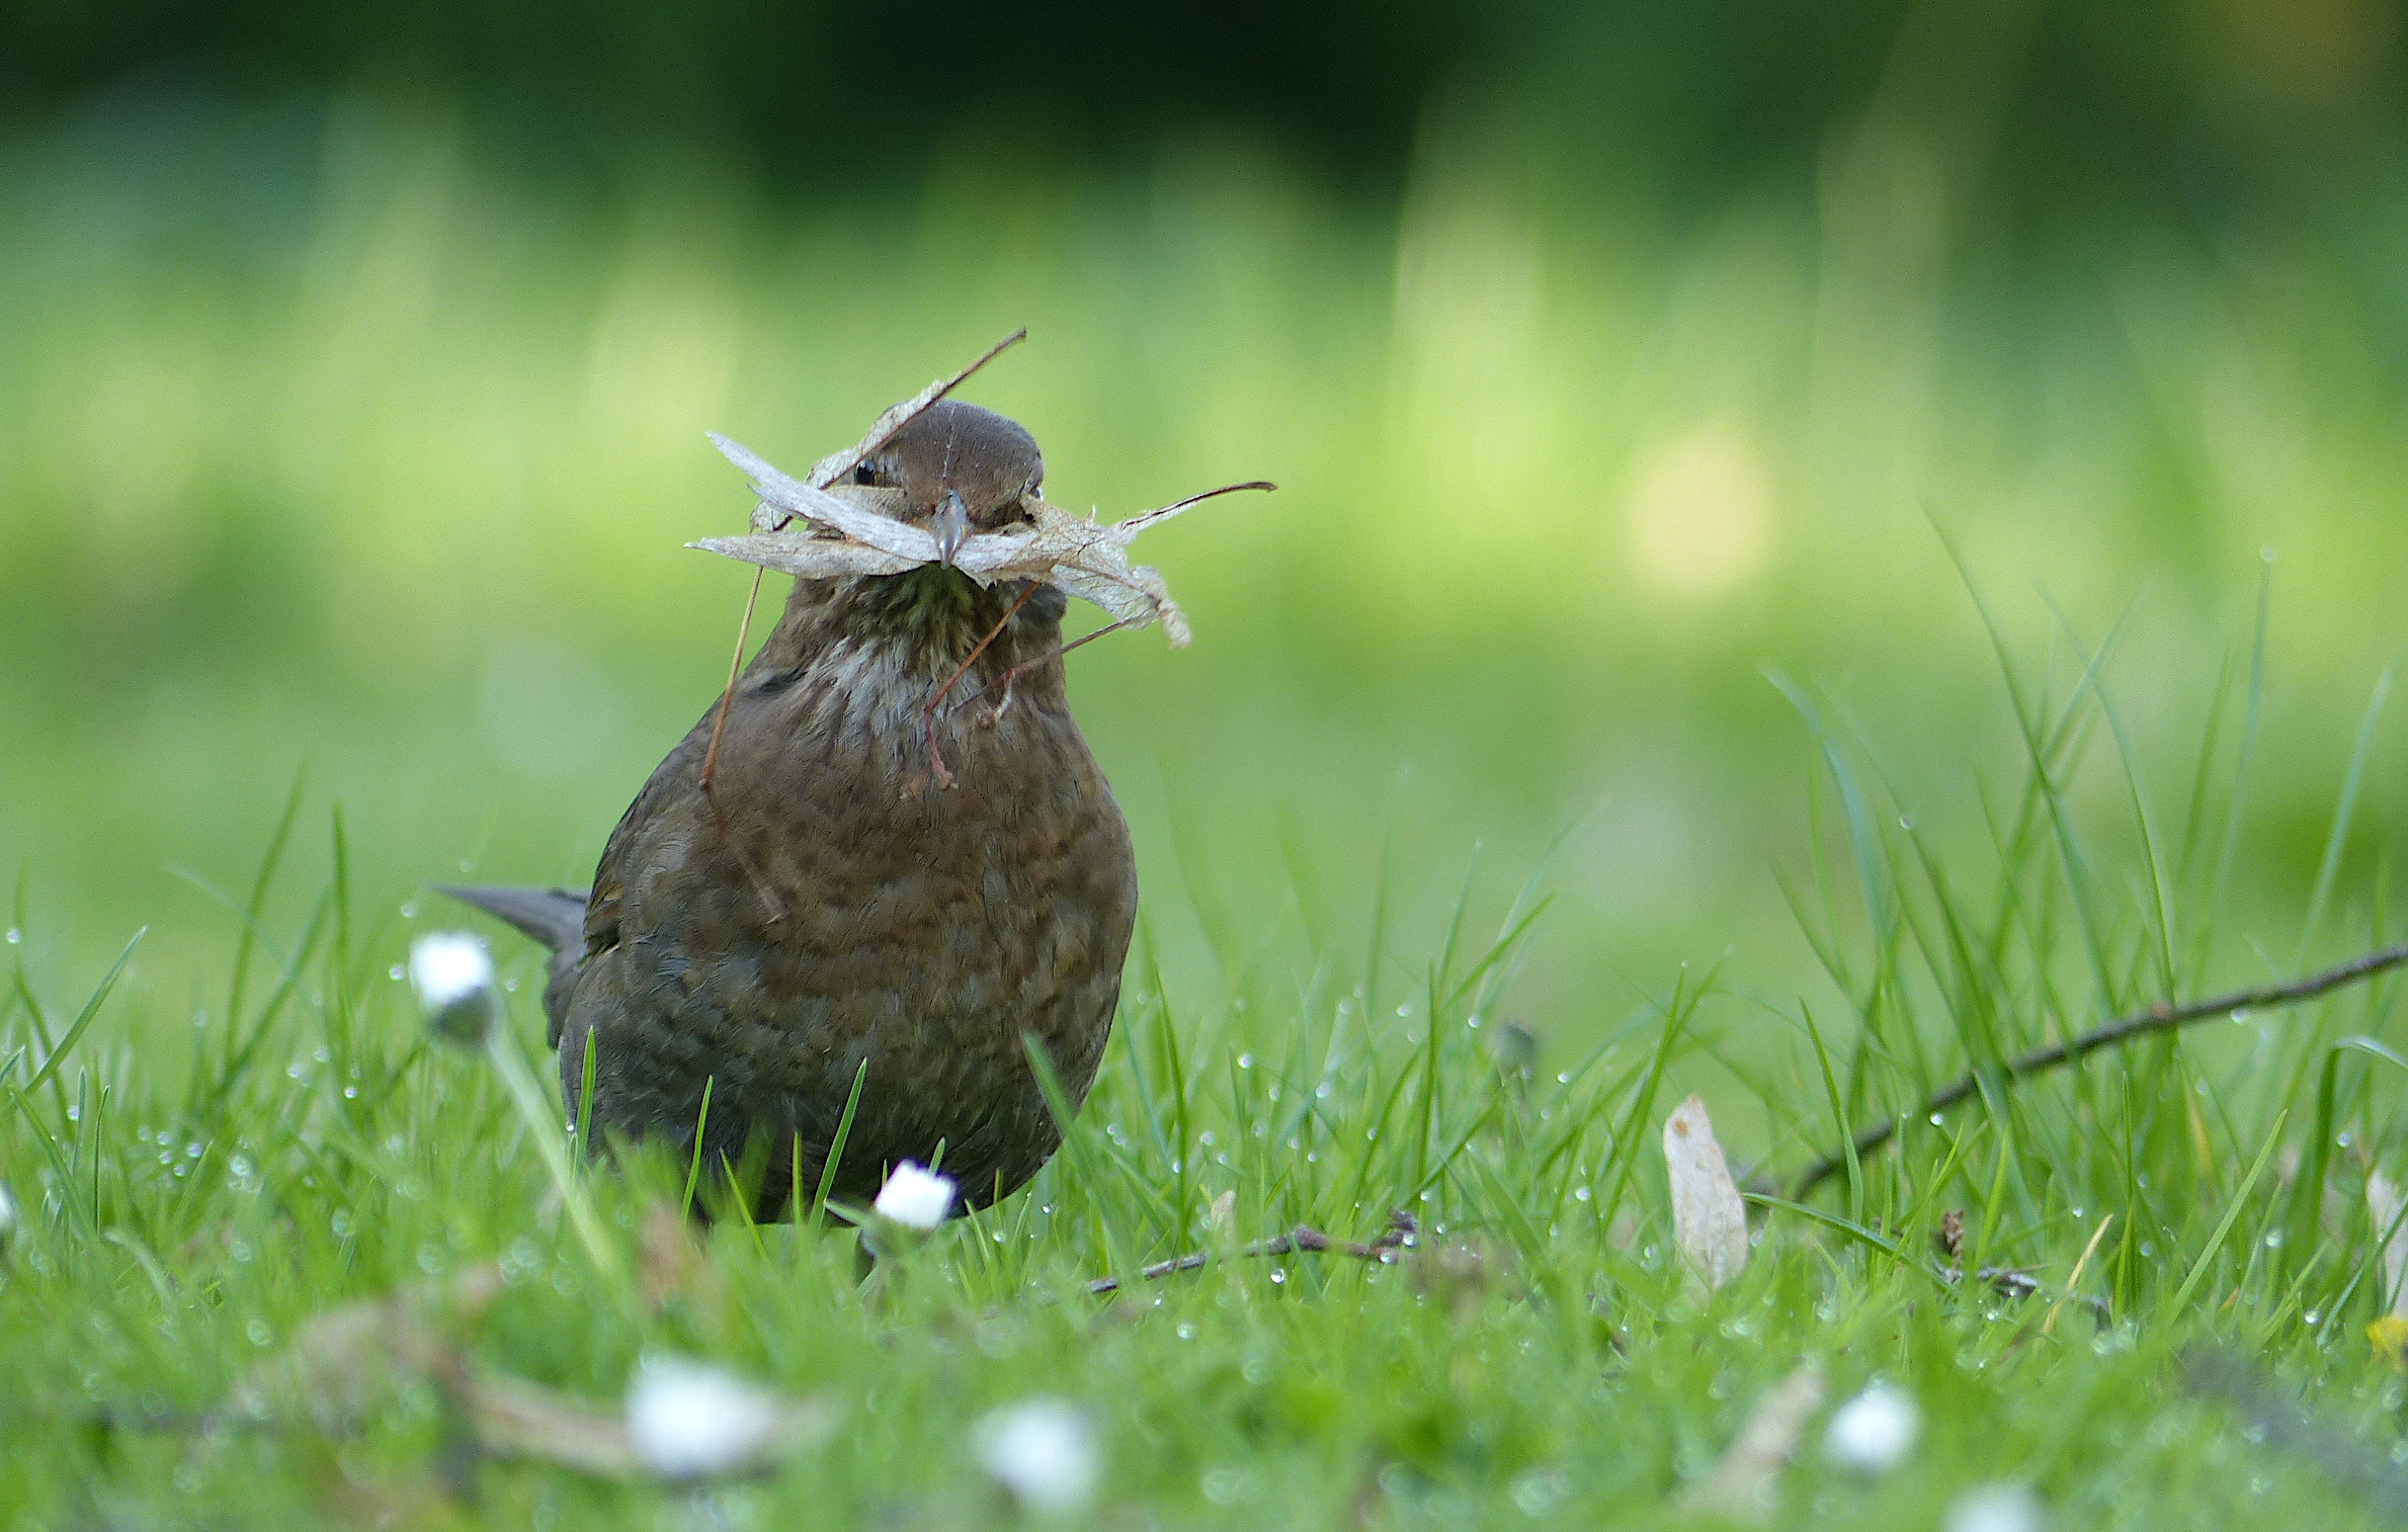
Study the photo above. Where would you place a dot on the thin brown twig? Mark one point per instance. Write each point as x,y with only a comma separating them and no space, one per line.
2157,1018
1401,1232
928,712
711,760
1012,674
945,778
2013,1282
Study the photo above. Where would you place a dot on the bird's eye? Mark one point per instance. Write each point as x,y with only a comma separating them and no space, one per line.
864,474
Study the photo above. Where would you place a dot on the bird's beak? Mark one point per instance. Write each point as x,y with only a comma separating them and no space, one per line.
951,525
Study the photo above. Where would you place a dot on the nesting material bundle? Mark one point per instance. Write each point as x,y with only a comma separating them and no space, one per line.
819,527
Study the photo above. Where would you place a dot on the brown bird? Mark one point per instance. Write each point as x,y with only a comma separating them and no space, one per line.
840,909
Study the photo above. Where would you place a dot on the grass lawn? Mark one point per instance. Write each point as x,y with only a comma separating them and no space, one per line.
2190,1213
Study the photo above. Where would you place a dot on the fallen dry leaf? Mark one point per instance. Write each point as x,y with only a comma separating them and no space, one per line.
1741,1485
1709,1220
341,1362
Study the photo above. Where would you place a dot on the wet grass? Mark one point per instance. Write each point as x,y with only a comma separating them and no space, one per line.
1539,1355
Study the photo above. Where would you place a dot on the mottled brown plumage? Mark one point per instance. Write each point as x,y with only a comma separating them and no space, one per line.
920,930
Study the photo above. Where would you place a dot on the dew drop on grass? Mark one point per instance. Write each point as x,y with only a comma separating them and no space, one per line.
1245,1060
15,936
1186,1331
1279,1277
259,1333
409,909
394,972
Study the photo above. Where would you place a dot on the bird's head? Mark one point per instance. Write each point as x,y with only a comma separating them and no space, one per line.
958,469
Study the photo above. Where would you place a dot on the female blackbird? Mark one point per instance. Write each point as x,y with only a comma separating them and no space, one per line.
827,907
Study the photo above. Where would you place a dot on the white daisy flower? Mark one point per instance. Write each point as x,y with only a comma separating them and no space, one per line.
454,976
688,1420
1872,1431
1043,1452
1994,1508
914,1197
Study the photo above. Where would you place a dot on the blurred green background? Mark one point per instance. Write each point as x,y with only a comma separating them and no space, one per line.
354,364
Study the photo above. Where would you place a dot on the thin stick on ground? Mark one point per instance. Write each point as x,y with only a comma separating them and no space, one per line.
2157,1018
1303,1239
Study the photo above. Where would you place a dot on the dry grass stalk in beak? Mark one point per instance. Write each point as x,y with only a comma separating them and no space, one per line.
851,535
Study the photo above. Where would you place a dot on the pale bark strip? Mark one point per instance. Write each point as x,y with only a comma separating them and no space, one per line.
1741,1485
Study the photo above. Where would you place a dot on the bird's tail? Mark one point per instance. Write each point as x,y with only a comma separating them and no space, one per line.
553,916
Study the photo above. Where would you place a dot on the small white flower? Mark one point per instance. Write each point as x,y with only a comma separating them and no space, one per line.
1994,1508
1873,1431
454,976
1044,1451
688,1420
915,1198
